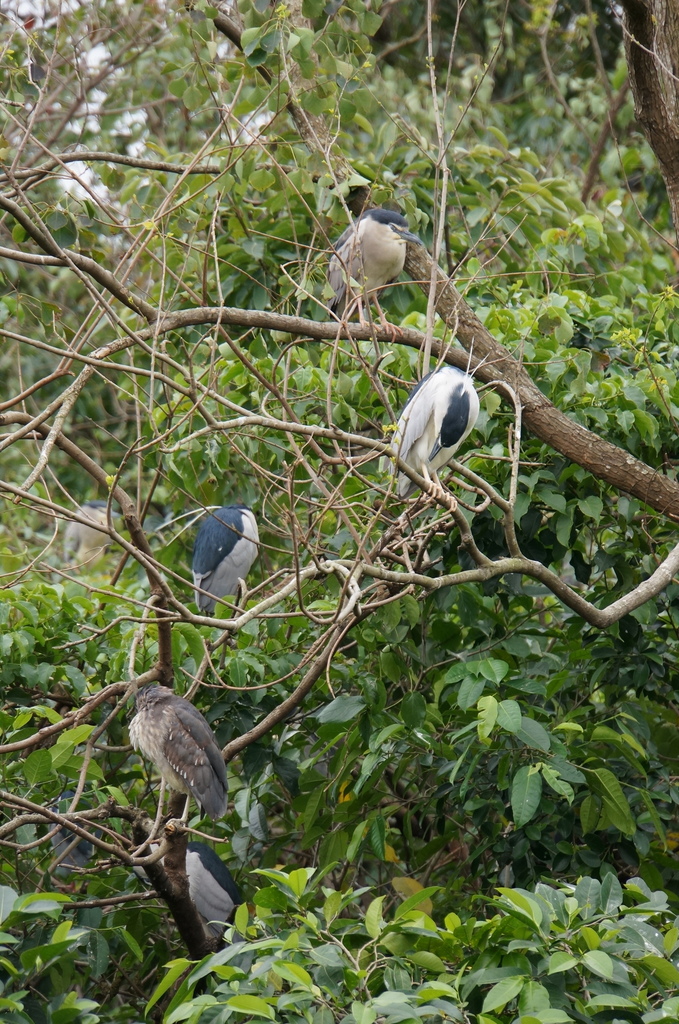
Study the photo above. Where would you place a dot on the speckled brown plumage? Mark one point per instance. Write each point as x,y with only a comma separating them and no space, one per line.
175,736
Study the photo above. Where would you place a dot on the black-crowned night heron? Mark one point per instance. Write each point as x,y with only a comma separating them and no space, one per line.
371,253
211,886
82,543
70,853
225,548
175,736
439,414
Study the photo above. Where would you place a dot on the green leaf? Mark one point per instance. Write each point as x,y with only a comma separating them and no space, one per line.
612,1000
556,783
7,898
487,717
377,837
591,506
599,963
588,895
534,735
370,22
175,968
526,794
298,879
341,709
249,40
528,908
415,900
356,840
313,8
332,906
492,669
241,919
271,898
469,692
429,961
194,97
252,1005
502,993
262,179
662,969
363,1013
132,944
38,767
293,972
374,922
509,715
193,639
654,816
413,709
561,961
313,803
610,897
604,783
590,813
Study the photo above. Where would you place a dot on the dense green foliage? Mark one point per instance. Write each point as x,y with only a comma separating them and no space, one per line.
477,751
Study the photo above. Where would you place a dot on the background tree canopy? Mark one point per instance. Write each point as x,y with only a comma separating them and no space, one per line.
450,730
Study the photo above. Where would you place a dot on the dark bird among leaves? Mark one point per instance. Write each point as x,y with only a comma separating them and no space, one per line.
212,888
225,548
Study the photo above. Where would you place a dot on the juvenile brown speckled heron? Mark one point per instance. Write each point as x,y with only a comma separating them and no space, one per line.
371,253
175,736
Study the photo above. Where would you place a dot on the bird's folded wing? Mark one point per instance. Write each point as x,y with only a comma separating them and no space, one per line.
191,731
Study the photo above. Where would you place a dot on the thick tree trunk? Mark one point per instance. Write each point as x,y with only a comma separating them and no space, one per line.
652,46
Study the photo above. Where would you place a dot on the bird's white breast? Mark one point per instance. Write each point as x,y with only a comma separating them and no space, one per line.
384,255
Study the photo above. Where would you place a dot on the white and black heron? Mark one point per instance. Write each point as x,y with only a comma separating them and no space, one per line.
70,854
86,543
367,256
223,553
440,413
212,888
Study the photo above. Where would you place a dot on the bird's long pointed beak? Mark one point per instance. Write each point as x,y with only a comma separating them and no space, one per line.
410,237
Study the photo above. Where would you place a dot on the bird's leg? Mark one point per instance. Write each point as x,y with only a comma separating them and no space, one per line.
437,491
363,321
394,329
159,812
185,816
351,305
238,597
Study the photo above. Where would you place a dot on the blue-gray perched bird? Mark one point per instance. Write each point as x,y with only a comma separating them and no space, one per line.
176,737
439,414
225,548
372,252
81,852
211,886
84,543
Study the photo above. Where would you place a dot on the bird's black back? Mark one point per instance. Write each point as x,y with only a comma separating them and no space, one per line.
218,869
217,536
456,419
